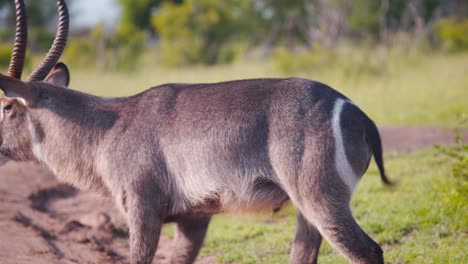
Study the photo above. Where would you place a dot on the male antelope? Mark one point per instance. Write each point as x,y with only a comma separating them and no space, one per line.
183,152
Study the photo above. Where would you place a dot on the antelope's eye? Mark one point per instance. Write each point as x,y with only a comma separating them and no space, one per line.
7,108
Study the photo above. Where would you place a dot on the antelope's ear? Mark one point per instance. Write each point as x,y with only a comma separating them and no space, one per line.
59,75
14,88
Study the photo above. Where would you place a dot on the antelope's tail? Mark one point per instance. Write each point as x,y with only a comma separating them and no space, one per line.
375,142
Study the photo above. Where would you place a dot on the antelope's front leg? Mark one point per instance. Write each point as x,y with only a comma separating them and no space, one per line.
188,238
145,222
306,244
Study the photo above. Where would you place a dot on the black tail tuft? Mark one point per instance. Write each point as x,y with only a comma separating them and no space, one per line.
375,142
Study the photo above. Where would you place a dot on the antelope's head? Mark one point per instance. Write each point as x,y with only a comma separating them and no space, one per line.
18,131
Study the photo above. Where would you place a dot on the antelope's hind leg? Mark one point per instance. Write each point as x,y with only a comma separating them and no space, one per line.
188,239
329,212
344,234
322,197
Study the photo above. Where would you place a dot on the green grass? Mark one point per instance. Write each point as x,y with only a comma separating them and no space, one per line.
426,90
423,219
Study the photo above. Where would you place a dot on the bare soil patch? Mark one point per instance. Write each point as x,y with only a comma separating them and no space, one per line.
44,221
407,139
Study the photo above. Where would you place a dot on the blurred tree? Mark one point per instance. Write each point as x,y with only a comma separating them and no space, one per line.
197,31
406,15
452,34
364,16
205,31
41,15
119,50
40,12
137,13
287,21
127,45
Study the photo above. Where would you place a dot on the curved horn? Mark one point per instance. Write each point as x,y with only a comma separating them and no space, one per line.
21,38
57,47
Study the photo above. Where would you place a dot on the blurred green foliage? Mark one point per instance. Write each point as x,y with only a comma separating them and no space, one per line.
288,62
204,31
79,52
5,55
137,13
297,35
458,155
199,31
349,58
41,14
120,50
127,45
452,34
364,16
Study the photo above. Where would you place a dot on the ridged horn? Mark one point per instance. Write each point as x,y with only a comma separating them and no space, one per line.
57,47
15,69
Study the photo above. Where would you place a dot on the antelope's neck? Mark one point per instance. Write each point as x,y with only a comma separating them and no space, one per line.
67,140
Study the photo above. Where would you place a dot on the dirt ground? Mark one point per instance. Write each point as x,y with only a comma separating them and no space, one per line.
44,221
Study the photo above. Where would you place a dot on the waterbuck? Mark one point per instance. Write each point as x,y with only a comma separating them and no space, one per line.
183,152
